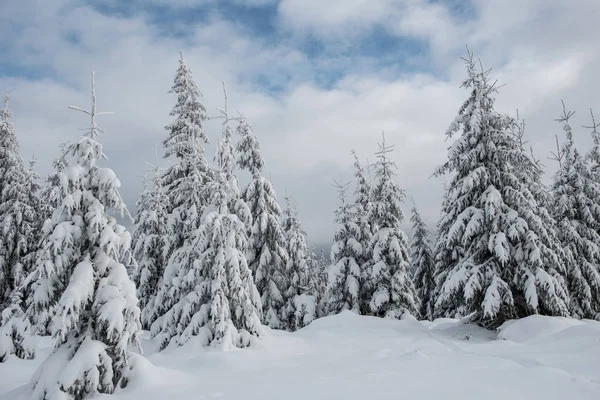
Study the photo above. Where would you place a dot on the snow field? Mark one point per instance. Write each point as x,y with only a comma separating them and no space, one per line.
353,357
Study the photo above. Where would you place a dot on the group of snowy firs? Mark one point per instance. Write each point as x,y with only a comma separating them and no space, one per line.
211,263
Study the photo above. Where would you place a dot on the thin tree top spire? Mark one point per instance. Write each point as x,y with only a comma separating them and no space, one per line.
342,188
369,168
358,165
594,154
360,170
384,150
225,110
353,152
594,128
291,206
248,148
565,118
93,132
566,115
154,167
7,97
519,131
225,149
225,94
33,161
6,113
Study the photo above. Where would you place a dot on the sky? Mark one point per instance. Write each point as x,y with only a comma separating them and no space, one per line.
315,79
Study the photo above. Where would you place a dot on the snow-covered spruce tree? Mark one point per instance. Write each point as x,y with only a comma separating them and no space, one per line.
42,205
19,206
388,286
363,194
52,189
81,274
424,264
318,278
51,194
495,253
362,202
15,331
577,212
185,185
530,172
20,224
138,234
219,301
267,256
150,234
301,303
345,275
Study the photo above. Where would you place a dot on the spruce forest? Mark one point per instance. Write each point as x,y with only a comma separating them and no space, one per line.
205,265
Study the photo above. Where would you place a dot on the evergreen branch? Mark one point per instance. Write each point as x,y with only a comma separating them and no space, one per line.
79,109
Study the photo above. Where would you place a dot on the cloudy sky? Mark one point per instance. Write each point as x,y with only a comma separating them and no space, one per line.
315,78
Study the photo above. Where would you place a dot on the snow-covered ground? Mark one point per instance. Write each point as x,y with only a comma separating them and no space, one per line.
352,357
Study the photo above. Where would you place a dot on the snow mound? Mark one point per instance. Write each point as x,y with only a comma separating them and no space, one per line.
535,328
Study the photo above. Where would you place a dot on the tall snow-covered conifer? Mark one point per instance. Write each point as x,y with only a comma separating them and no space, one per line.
267,256
362,202
51,193
42,205
424,264
138,234
20,223
150,237
529,170
51,190
219,302
318,277
301,304
345,275
577,211
81,274
497,258
363,194
185,183
388,286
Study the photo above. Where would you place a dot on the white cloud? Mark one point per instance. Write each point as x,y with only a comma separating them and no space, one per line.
306,132
343,21
188,4
334,16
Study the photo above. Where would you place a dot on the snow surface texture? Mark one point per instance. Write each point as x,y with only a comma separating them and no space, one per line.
352,357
